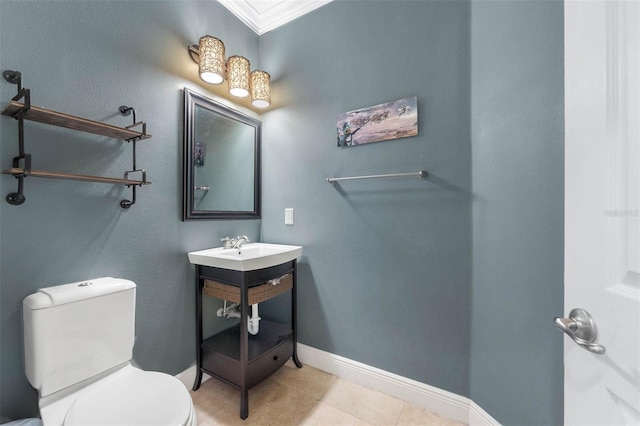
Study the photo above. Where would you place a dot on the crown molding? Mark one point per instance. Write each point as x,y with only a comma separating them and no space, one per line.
273,16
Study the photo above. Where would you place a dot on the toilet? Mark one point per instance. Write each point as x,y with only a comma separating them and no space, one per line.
78,341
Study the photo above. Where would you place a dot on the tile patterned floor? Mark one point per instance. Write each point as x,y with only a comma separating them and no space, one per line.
308,396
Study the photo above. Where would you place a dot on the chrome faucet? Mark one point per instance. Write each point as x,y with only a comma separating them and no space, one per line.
237,242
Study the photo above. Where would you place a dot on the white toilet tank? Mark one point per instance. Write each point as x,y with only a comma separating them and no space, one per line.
74,331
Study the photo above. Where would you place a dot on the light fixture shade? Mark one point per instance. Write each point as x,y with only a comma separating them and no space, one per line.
238,75
212,64
260,89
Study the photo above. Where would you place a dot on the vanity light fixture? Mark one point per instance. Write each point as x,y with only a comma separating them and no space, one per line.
260,89
212,66
209,54
238,73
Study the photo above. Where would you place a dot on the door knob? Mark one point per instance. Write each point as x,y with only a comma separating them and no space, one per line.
581,327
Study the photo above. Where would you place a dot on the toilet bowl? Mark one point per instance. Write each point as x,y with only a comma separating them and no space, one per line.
135,398
78,346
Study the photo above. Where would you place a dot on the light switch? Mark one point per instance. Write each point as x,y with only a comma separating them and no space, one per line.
288,216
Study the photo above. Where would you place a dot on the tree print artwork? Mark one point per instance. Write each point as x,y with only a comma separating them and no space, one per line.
393,120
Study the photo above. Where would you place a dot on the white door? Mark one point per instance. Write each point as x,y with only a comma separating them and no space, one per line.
602,187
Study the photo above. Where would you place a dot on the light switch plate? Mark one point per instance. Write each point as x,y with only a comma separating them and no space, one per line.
288,216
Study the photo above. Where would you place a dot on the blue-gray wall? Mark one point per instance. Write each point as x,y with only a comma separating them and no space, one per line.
386,272
88,58
387,279
518,185
436,280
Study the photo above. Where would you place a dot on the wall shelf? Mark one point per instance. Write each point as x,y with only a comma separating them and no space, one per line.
59,119
22,111
71,176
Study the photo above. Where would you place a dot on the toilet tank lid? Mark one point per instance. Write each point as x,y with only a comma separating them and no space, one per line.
68,293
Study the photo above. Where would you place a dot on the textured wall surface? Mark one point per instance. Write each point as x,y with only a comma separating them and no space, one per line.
518,185
385,277
87,59
451,281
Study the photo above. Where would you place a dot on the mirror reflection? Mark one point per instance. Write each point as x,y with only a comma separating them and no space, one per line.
222,149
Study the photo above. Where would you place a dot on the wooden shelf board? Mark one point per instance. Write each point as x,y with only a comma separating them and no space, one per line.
71,176
68,121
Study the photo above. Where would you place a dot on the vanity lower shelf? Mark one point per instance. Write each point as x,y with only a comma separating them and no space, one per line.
267,351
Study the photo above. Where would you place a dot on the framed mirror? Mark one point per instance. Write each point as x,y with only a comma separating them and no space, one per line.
221,161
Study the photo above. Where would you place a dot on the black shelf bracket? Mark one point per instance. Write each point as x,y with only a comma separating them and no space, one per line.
15,77
127,110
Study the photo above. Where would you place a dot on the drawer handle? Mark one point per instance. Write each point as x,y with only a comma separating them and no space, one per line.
276,357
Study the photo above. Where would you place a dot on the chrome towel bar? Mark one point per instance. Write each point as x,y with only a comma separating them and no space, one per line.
422,174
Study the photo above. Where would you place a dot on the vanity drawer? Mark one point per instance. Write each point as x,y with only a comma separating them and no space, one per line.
262,367
257,294
258,369
223,367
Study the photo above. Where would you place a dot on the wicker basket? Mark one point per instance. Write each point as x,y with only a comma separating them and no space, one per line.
257,294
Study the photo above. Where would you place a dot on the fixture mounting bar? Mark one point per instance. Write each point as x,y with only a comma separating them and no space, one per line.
194,53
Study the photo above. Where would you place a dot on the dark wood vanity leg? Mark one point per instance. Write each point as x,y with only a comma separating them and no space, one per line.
244,350
196,384
244,403
294,315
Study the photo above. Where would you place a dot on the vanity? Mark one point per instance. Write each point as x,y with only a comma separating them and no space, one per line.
247,275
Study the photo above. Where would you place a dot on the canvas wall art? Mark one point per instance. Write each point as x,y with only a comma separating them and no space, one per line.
393,120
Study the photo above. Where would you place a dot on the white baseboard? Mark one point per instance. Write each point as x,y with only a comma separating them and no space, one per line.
429,397
479,417
439,401
188,377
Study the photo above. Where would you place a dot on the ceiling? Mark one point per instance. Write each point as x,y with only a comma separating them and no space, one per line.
265,15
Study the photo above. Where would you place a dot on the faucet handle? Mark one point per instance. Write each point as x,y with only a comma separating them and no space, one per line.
227,242
237,242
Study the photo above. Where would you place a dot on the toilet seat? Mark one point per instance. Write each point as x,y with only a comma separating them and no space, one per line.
141,398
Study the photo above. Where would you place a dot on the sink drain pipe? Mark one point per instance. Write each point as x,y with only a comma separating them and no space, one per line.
254,321
233,311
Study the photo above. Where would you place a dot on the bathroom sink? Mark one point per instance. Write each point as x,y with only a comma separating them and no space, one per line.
247,258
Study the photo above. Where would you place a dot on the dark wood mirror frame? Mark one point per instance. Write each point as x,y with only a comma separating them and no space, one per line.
193,100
